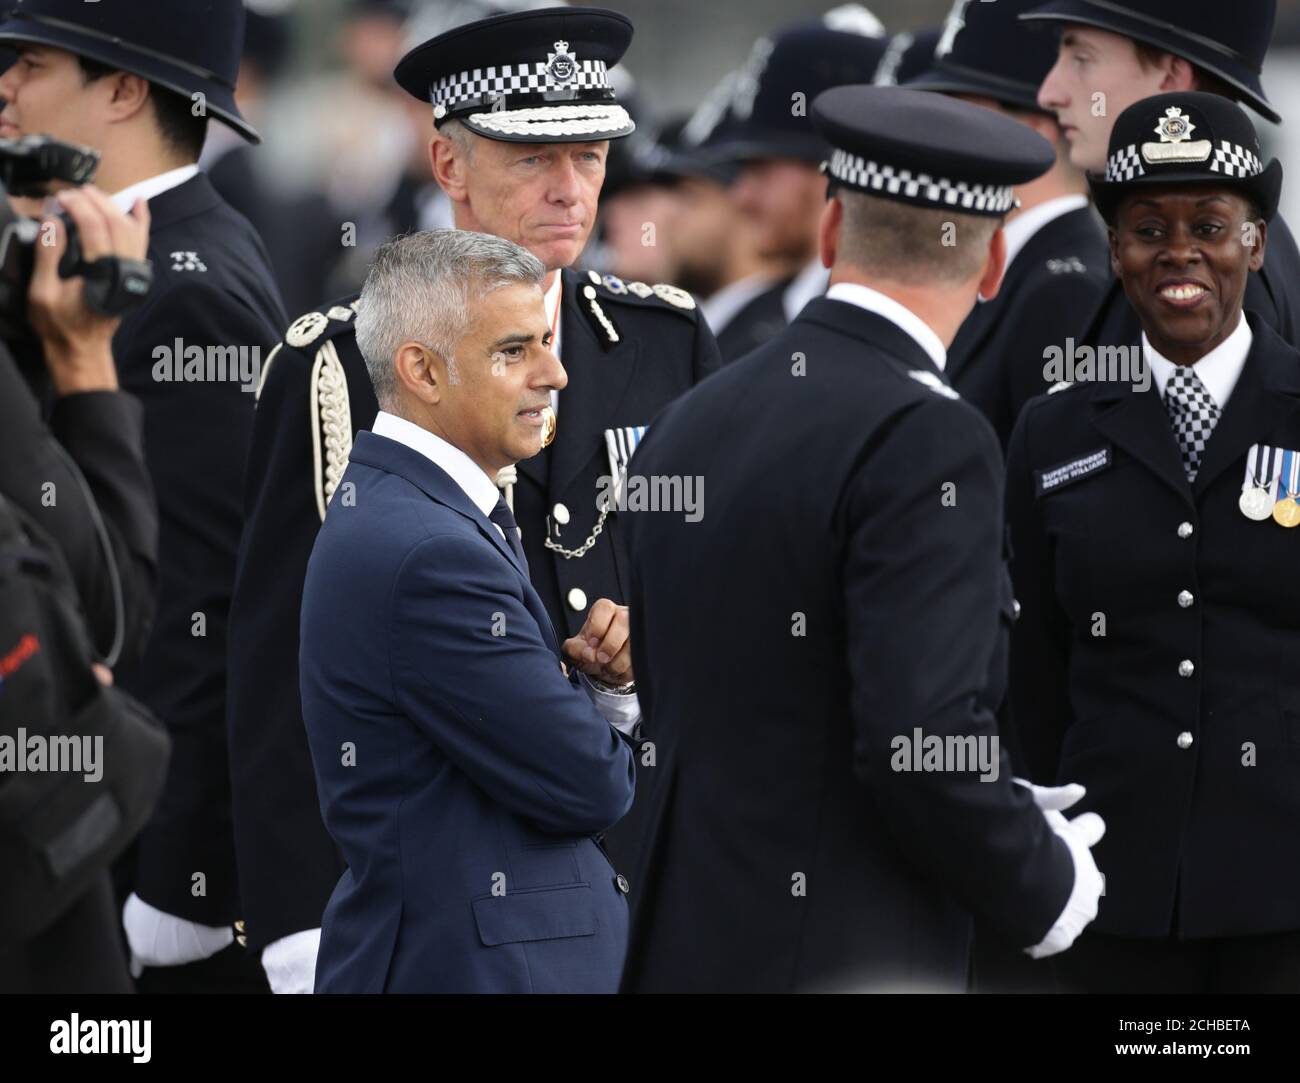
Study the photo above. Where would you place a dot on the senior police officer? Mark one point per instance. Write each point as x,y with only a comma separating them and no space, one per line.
523,110
1057,264
1154,540
853,515
139,82
1127,50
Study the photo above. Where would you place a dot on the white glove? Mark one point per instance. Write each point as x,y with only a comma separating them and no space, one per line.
1079,834
290,962
159,939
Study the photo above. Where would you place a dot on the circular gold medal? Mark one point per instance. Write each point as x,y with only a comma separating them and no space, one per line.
1287,512
548,426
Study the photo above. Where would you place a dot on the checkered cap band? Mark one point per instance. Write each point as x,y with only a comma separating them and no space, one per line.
1124,165
484,84
923,188
1234,160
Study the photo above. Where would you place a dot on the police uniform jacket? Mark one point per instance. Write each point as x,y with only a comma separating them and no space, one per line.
629,349
782,850
757,321
1155,658
997,359
212,288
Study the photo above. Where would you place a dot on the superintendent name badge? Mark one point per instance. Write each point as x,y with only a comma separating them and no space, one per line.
1055,477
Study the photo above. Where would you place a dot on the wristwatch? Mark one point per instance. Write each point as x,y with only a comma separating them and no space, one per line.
628,689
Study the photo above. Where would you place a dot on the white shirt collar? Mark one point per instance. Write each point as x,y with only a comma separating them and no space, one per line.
899,315
1021,229
154,186
722,307
1218,370
459,467
807,284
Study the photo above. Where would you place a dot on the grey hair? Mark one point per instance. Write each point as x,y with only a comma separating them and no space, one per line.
420,288
460,135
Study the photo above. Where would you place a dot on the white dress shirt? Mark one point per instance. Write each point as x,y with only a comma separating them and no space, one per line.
807,284
622,712
153,186
722,307
1021,229
1218,370
900,315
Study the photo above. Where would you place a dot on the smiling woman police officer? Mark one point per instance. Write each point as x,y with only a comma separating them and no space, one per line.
1155,661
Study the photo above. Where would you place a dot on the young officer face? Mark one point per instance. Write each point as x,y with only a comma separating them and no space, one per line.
1183,255
1096,72
542,196
505,374
45,94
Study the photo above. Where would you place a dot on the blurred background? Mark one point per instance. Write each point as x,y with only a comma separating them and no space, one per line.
345,162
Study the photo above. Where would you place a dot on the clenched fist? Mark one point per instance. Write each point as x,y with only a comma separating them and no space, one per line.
602,649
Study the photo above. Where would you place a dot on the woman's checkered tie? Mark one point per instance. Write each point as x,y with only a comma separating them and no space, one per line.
1193,412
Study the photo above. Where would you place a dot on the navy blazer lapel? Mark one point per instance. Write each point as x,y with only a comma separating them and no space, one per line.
598,382
383,453
1262,401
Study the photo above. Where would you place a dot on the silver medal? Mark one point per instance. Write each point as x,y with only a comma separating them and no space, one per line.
1256,503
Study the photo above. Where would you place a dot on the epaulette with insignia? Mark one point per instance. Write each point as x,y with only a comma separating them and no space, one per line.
1061,385
934,382
1072,265
330,404
307,329
613,286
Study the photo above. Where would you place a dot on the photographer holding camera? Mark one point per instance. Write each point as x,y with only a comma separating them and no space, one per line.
138,83
78,559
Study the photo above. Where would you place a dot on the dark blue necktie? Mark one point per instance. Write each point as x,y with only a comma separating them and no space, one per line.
505,519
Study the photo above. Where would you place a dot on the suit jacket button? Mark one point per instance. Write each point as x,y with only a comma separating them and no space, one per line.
578,599
620,882
1184,740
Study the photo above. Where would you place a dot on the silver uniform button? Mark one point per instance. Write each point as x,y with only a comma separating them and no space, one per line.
1185,598
1184,740
560,514
578,599
1186,668
1015,608
1185,530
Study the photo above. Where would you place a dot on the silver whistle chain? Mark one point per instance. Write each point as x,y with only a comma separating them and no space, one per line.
569,554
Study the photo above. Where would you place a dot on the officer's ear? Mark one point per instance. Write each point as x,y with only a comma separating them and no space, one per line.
1112,237
994,266
419,371
828,231
450,161
125,95
1254,230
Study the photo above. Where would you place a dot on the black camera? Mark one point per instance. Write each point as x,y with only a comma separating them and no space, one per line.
31,167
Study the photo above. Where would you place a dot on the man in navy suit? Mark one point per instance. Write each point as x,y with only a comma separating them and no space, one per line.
462,774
